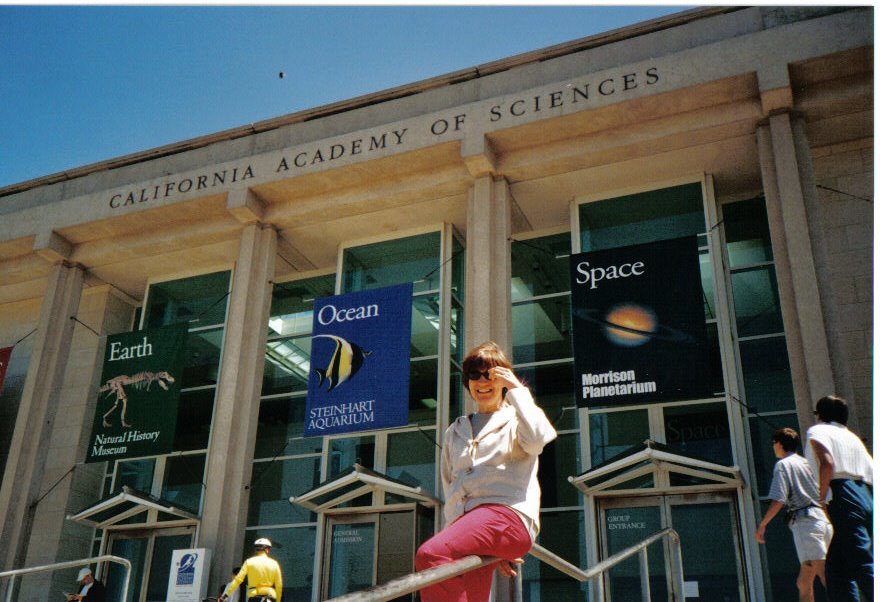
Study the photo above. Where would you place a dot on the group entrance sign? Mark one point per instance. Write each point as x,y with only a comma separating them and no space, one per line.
638,324
359,375
136,412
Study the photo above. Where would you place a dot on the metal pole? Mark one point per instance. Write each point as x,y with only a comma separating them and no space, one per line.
677,567
643,573
10,589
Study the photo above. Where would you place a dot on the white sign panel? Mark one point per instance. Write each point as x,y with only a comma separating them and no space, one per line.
188,578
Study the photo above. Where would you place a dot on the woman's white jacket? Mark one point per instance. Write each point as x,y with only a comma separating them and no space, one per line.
500,465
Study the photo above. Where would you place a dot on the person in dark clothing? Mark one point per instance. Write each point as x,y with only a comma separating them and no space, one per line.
90,590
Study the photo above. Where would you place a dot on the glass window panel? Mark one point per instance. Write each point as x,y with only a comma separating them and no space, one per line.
345,452
539,266
274,482
563,534
194,412
183,481
640,218
280,429
292,304
542,330
425,326
137,474
767,375
761,430
200,301
782,561
613,433
756,300
202,358
411,458
699,430
716,573
456,323
456,393
160,567
294,550
706,283
351,557
715,373
625,527
135,551
558,461
747,232
286,366
458,262
423,392
413,259
552,387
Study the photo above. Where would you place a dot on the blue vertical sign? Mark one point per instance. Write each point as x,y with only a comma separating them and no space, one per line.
359,375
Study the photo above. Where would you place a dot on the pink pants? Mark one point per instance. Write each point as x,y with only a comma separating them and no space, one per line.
488,530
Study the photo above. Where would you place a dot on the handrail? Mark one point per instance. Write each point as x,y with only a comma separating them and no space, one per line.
67,565
416,581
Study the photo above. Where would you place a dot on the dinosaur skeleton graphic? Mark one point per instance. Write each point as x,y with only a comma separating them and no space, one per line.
141,380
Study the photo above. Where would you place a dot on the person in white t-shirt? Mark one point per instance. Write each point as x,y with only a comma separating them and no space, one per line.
846,475
794,488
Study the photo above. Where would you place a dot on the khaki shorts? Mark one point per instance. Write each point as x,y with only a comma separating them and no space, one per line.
812,534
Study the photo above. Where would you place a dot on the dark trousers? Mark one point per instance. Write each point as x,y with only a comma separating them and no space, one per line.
849,566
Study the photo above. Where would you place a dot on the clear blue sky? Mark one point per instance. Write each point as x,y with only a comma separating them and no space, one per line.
85,84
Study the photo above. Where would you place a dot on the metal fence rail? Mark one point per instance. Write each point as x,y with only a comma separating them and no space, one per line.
10,587
416,581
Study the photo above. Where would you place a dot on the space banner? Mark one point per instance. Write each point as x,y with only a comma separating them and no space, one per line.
136,413
638,324
359,375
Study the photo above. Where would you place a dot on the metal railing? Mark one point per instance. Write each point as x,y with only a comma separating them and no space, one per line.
10,587
416,581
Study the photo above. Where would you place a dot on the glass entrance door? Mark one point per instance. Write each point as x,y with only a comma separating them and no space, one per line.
371,548
710,545
149,551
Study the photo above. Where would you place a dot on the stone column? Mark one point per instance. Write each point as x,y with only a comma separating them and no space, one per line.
487,286
230,454
790,191
36,414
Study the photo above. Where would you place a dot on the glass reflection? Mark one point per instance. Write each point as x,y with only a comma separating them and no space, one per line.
200,301
280,429
539,266
756,300
767,375
425,326
202,358
183,481
640,218
747,233
286,367
542,330
559,460
411,458
700,430
613,433
274,482
292,304
413,259
553,389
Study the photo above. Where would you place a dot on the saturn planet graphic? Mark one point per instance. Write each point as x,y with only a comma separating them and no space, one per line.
630,324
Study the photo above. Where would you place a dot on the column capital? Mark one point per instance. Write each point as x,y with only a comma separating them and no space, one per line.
245,205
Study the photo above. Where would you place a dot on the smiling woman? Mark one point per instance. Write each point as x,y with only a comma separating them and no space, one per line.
489,473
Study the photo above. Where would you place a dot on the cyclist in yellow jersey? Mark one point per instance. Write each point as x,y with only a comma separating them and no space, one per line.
263,575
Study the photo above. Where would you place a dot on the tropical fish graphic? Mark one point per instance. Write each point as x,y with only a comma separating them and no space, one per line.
346,360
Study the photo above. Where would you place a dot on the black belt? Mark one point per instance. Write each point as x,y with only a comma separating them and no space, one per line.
261,599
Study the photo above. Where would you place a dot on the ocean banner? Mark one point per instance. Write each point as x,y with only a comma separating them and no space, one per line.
136,413
359,375
638,324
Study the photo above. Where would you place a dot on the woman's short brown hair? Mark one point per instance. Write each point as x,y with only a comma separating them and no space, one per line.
481,358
